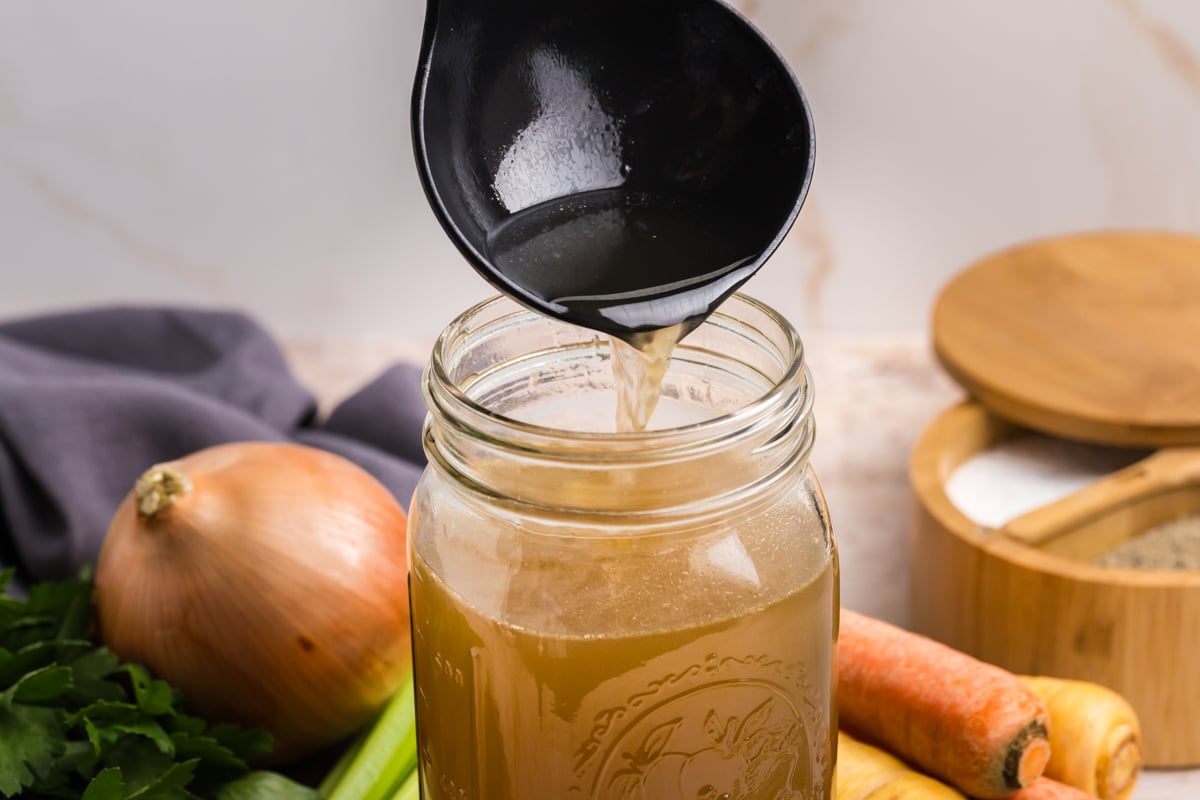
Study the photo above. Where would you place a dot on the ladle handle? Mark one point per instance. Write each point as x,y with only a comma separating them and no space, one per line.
1165,469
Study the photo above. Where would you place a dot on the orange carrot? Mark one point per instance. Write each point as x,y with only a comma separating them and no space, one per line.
971,724
1046,789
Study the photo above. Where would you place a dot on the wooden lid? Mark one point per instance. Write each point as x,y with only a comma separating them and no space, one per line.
1093,337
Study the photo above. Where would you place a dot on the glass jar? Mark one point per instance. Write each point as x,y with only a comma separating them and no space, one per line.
610,615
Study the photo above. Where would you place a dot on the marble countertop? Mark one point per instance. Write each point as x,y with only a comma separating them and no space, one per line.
874,396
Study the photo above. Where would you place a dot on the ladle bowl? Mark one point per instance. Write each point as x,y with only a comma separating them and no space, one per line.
620,165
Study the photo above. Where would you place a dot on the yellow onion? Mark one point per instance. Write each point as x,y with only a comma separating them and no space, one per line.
266,581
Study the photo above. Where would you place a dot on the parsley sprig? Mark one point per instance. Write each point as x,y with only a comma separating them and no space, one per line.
77,723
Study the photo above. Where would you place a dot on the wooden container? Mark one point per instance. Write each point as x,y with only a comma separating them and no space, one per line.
1024,595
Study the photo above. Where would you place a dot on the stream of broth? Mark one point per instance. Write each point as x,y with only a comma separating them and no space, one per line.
638,373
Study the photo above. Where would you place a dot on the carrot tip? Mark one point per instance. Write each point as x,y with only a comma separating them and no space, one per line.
1124,768
1033,761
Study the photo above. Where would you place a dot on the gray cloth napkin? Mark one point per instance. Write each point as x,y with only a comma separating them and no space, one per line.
89,400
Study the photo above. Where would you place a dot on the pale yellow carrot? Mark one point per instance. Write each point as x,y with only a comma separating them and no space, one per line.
1095,737
868,773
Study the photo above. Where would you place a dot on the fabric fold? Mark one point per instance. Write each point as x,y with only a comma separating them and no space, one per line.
90,399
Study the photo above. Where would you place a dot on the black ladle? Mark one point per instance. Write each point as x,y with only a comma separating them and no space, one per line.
619,164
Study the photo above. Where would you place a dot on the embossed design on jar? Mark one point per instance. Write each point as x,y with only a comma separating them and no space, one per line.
732,740
729,728
754,716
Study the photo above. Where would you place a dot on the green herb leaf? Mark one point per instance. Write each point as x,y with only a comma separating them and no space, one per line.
104,712
92,671
10,611
170,785
148,728
141,763
94,737
76,723
28,630
182,723
153,697
30,740
211,752
39,686
113,720
107,785
36,655
58,598
248,743
77,761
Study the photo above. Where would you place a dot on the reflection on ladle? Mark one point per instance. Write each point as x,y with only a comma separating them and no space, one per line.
570,146
624,166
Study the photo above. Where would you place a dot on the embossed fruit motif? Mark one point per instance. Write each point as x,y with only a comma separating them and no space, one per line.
750,758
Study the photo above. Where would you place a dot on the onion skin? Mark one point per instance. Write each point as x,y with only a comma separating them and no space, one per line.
271,587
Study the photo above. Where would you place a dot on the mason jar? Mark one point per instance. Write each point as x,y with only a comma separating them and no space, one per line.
605,615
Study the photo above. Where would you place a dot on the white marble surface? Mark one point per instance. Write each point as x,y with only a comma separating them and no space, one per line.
874,396
257,153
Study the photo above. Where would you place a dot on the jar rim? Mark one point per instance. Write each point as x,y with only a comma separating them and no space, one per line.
443,392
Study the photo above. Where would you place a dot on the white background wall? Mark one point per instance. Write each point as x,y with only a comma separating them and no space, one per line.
256,153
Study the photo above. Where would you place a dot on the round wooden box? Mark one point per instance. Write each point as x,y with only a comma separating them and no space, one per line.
1098,339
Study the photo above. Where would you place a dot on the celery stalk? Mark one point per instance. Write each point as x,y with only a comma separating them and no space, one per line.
334,776
411,790
387,755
